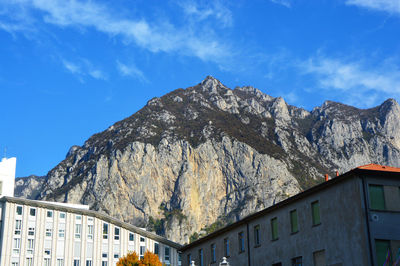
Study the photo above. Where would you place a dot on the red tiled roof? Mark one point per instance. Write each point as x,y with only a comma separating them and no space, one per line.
377,167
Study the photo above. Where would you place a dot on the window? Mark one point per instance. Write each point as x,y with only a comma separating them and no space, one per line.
78,230
179,259
60,262
297,261
274,228
142,239
47,252
88,263
142,251
241,242
382,247
293,221
46,262
14,264
48,232
166,253
76,262
257,235
201,257
32,212
31,246
131,237
116,233
62,216
315,213
226,247
90,231
319,258
189,259
104,263
376,197
104,255
78,218
19,210
18,227
156,249
116,256
61,231
29,261
213,258
31,231
49,214
105,231
16,245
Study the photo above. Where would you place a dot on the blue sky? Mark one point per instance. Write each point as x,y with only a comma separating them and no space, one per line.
71,68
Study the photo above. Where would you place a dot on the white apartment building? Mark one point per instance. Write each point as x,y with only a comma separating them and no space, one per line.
45,233
41,233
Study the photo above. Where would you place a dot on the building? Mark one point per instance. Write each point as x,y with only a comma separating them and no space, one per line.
352,219
48,233
7,176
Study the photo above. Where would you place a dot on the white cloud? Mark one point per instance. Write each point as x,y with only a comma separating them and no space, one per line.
83,68
158,36
285,3
390,6
210,9
131,71
359,83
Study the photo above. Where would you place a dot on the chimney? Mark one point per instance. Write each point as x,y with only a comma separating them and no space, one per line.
326,177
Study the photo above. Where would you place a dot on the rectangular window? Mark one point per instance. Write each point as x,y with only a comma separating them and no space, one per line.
78,217
293,221
213,257
31,231
166,253
274,228
18,227
131,237
31,246
319,258
78,231
29,261
189,259
142,251
376,197
16,245
156,249
104,255
60,262
46,262
32,212
257,235
19,210
382,248
226,247
105,231
142,239
104,263
116,233
88,263
315,213
201,257
49,214
47,252
48,232
61,231
76,262
90,231
62,217
116,255
297,261
241,242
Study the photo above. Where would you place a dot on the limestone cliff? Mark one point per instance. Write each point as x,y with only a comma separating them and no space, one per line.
208,153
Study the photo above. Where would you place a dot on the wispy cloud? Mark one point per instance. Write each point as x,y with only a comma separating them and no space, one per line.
160,36
359,83
83,68
285,3
210,9
389,6
131,71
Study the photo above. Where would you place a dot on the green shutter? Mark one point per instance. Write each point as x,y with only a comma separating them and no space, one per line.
293,221
315,213
381,248
376,197
274,228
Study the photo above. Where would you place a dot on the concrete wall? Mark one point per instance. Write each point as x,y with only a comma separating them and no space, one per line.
342,234
7,176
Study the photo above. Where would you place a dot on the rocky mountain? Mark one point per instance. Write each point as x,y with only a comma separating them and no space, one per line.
201,157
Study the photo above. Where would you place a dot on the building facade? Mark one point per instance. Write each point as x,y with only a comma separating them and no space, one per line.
7,176
44,233
352,219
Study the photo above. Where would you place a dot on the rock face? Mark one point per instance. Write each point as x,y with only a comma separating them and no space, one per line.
28,187
209,153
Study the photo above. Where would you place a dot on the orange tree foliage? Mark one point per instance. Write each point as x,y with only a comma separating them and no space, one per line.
132,259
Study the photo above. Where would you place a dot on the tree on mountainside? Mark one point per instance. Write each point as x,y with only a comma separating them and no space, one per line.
132,259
